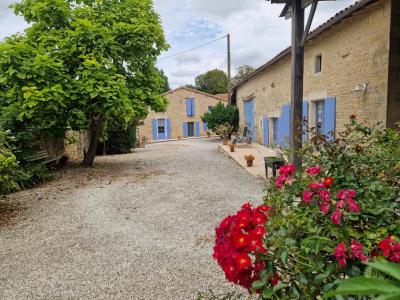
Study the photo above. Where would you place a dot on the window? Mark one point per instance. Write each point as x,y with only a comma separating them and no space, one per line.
161,126
319,110
318,63
274,130
190,107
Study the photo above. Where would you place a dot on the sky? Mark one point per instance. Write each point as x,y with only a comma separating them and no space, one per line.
257,33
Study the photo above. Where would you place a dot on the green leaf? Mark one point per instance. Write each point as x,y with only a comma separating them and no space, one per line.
394,296
267,294
279,286
388,268
258,284
365,286
284,256
319,278
290,242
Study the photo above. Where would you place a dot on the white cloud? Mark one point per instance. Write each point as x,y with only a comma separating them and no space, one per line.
257,32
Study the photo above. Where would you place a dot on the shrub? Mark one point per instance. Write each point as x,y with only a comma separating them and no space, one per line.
120,139
221,114
8,166
330,218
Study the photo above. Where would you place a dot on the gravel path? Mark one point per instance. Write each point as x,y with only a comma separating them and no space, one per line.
137,226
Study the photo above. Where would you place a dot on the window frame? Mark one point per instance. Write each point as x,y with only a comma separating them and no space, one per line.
318,64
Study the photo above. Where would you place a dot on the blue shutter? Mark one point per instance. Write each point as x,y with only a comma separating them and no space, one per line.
154,129
284,126
168,125
266,131
305,121
193,107
188,107
197,129
205,127
185,129
329,118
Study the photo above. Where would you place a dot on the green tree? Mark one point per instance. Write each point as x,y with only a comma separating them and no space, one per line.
212,82
222,114
165,87
82,63
243,72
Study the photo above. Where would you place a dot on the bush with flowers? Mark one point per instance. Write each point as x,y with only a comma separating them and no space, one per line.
322,223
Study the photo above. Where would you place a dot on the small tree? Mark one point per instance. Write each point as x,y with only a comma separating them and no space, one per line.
81,64
243,72
222,114
212,82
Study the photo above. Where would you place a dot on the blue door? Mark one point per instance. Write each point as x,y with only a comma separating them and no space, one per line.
266,131
161,129
249,117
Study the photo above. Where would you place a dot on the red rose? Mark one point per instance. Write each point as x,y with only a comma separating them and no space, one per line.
243,261
240,240
258,218
328,181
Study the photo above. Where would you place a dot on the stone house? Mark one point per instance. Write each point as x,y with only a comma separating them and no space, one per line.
182,119
352,66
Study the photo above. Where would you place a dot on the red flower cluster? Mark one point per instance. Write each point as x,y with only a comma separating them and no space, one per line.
390,249
324,197
355,252
285,174
238,244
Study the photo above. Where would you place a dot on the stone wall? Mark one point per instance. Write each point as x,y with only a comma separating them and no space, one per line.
176,112
354,52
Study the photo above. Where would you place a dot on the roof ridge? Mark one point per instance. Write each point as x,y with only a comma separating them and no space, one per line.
346,12
195,91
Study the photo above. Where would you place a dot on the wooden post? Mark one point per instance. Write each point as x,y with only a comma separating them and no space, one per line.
229,68
297,81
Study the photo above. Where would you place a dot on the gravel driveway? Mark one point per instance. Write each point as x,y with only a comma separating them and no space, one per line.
137,226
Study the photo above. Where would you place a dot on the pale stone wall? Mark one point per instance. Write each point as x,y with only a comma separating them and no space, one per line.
355,51
75,144
176,112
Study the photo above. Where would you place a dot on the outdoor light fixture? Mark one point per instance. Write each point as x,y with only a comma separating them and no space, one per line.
361,87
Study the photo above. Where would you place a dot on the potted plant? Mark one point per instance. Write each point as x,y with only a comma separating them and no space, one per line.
208,134
249,159
224,130
232,147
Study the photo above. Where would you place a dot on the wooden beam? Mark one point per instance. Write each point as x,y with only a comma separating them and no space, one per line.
309,21
296,135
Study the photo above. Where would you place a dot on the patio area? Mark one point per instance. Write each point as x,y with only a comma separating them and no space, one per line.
259,152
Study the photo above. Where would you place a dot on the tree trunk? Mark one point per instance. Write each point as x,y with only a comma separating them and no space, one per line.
95,130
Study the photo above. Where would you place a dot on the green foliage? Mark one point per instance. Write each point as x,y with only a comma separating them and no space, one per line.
222,114
165,87
301,240
243,72
212,82
82,62
8,166
382,283
120,139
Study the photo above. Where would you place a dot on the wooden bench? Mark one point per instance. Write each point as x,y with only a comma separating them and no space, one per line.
42,156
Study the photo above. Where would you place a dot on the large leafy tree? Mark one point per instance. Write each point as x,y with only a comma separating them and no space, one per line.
212,82
222,114
82,63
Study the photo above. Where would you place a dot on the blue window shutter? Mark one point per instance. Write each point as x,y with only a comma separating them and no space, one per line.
193,106
305,121
266,131
154,129
329,118
197,129
188,107
205,127
168,125
185,129
284,126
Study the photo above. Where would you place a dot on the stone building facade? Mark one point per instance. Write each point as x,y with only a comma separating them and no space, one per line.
182,119
352,66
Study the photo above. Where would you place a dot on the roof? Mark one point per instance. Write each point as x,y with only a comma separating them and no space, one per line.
343,14
219,97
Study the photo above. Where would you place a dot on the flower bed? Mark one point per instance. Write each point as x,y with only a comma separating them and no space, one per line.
319,224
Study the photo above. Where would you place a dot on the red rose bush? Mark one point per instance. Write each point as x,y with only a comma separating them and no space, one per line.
319,224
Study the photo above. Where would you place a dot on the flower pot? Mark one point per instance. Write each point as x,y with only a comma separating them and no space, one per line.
232,148
225,141
249,163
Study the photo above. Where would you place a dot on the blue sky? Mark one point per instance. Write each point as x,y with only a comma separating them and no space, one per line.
256,31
